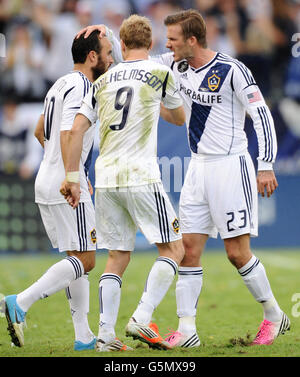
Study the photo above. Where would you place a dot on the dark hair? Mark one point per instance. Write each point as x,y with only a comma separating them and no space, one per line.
82,46
192,24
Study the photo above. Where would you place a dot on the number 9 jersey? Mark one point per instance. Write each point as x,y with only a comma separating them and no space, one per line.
126,99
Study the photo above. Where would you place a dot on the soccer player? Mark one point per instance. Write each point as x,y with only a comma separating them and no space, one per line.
129,192
220,189
68,230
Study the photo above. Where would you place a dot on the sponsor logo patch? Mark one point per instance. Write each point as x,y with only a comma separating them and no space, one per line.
183,66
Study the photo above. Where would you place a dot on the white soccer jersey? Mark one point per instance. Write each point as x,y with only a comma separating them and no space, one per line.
127,101
216,98
61,104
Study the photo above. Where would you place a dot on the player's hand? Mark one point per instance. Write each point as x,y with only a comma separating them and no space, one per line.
91,191
71,191
89,29
266,181
63,188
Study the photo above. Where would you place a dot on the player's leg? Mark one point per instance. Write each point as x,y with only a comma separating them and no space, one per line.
110,285
78,293
116,232
188,289
255,278
67,229
153,213
196,225
236,219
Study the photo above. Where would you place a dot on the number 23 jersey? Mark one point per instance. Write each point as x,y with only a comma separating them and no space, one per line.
126,99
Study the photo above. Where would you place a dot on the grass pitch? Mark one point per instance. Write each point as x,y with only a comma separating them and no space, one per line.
227,320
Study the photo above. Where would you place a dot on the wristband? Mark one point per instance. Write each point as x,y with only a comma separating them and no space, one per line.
72,176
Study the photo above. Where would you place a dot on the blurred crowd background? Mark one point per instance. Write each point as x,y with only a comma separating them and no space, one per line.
39,35
264,34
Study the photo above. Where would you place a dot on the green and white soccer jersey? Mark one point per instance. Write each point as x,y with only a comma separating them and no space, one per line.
126,99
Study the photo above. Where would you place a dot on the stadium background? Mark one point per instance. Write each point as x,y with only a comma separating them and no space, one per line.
38,36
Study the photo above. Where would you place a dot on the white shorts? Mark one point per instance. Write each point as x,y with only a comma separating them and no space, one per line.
220,195
70,229
120,212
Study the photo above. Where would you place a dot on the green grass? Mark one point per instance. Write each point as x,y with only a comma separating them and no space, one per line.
228,316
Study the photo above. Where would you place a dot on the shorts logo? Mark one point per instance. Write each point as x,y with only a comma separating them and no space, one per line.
183,66
175,225
93,235
213,82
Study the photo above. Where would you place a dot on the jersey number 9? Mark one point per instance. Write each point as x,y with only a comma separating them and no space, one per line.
124,105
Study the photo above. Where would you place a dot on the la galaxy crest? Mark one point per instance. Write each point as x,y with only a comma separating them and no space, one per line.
175,225
214,81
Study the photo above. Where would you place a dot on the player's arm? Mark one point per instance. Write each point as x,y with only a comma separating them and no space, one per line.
39,130
171,107
71,187
166,58
175,116
64,141
105,32
251,97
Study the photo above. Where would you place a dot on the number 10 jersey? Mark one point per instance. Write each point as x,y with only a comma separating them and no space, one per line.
126,99
62,102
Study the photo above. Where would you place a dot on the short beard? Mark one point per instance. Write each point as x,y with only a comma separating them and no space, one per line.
98,70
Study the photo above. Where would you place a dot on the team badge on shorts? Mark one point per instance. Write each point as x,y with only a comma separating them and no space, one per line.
183,66
93,235
213,82
175,225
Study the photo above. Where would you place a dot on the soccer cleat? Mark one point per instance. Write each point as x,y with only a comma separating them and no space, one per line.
79,346
147,334
16,320
268,331
178,339
114,345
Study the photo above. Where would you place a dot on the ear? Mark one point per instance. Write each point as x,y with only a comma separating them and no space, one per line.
92,56
123,47
151,45
192,41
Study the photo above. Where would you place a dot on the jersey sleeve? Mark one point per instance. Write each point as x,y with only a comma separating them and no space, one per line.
166,59
116,47
170,95
89,107
251,97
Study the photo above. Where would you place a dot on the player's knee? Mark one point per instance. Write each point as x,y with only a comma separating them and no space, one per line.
238,250
173,250
89,262
192,254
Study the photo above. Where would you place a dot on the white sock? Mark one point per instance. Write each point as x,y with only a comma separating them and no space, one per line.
188,289
254,275
159,280
109,302
78,295
56,278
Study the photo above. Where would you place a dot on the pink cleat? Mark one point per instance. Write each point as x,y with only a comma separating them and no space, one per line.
178,339
268,331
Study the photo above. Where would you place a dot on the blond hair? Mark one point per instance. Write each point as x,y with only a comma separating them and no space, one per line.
136,32
192,24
